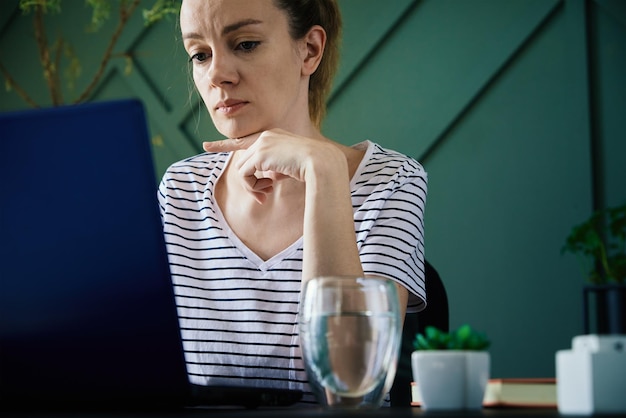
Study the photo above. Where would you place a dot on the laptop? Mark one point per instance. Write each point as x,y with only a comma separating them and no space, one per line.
87,309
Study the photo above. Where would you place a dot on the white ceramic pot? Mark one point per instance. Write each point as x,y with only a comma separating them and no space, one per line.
451,379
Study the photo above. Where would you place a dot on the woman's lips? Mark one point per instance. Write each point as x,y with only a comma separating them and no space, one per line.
229,107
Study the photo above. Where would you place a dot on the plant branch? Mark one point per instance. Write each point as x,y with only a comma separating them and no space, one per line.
19,90
58,46
605,262
125,13
49,69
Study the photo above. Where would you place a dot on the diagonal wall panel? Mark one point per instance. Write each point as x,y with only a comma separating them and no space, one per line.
430,69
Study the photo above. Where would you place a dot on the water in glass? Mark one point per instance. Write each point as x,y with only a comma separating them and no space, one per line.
350,335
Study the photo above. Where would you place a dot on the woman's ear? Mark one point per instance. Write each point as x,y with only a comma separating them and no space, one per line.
313,49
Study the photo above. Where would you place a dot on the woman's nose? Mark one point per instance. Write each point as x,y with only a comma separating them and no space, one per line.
222,71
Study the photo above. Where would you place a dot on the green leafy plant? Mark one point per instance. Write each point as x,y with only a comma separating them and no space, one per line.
59,53
463,338
600,245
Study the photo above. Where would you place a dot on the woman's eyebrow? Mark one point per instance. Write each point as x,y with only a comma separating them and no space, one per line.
239,25
227,29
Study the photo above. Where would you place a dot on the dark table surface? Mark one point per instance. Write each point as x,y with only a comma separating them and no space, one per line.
284,413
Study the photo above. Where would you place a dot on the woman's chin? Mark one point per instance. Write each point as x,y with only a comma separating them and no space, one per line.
237,133
239,130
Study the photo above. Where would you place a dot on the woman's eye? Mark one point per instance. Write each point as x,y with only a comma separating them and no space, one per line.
248,46
199,57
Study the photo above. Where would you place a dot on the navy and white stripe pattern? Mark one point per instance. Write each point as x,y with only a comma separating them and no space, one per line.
238,313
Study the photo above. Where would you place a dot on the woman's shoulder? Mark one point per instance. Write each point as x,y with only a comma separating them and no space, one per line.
381,161
202,165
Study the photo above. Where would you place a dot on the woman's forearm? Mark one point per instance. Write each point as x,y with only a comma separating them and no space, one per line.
329,238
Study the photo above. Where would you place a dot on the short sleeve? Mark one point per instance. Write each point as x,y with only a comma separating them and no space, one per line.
389,199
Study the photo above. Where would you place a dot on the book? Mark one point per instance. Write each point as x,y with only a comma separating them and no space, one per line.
531,392
521,392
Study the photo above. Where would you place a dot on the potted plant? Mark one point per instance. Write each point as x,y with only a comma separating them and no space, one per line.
451,369
57,57
72,80
600,245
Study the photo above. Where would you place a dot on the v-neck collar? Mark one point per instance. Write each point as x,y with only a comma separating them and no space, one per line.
251,256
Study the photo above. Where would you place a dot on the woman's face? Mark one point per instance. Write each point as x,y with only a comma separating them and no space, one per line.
246,66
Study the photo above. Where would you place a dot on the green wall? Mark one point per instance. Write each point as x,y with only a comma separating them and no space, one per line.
515,108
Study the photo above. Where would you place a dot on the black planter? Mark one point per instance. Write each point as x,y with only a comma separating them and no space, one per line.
605,305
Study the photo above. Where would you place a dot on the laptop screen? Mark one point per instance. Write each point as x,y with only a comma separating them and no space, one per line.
87,311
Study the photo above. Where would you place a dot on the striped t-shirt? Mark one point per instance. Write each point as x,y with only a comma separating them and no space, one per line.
238,313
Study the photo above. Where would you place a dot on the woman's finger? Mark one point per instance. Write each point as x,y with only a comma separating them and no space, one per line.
231,144
259,187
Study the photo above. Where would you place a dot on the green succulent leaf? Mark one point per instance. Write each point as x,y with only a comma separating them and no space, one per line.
463,338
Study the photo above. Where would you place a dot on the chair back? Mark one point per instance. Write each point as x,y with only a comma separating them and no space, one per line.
435,314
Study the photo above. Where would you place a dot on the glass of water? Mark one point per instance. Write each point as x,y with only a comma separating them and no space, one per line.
350,331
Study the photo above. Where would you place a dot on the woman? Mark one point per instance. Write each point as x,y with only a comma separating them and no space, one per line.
258,214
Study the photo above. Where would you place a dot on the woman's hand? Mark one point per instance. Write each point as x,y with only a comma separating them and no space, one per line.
328,225
273,155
